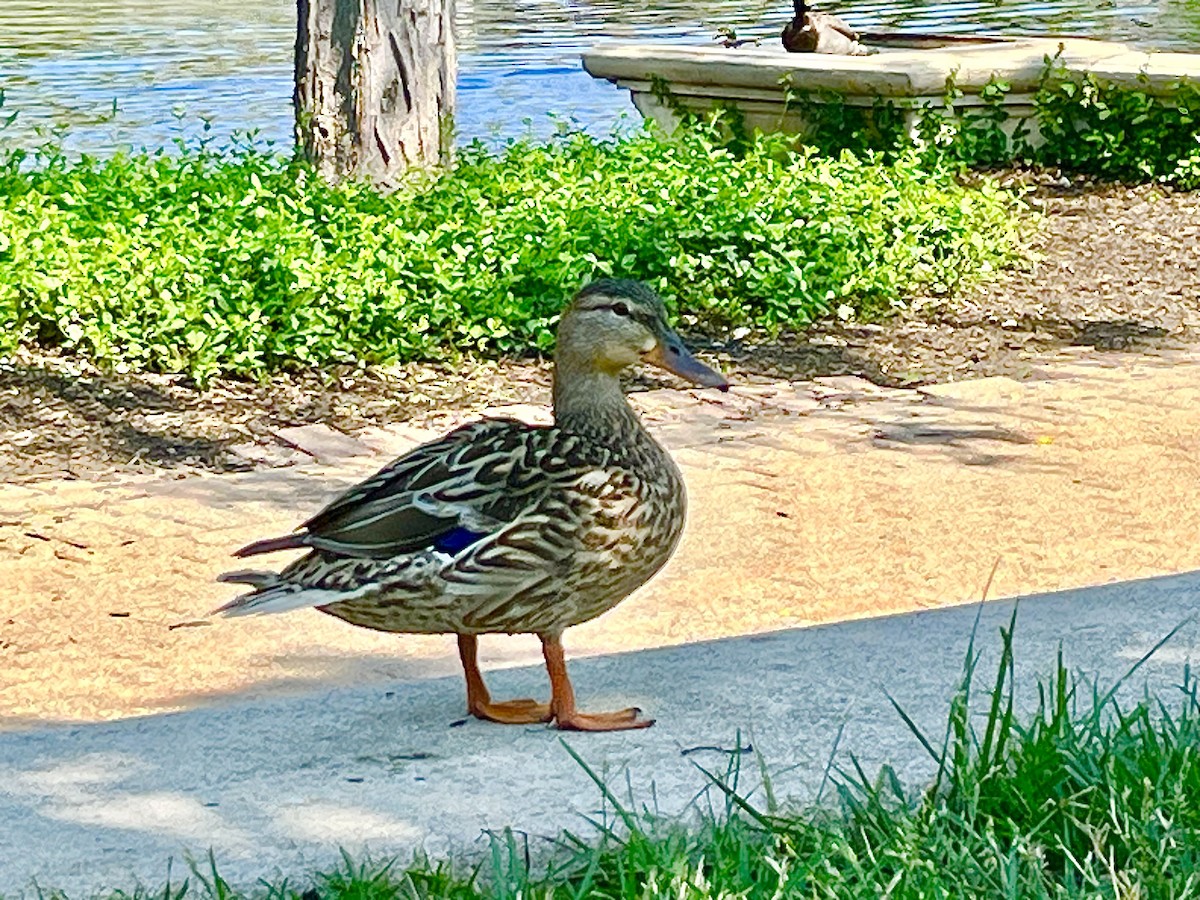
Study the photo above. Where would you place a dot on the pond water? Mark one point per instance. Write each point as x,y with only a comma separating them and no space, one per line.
108,73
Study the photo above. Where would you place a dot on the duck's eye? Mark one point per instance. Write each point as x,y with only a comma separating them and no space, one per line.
621,308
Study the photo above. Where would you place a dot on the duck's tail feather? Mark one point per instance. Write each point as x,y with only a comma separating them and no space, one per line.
273,594
250,577
296,541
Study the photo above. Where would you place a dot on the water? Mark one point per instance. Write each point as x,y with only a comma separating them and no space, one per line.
166,66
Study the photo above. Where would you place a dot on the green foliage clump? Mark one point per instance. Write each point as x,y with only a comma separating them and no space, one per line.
1084,125
244,262
1119,133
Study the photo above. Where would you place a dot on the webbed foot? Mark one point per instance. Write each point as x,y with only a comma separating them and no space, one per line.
511,712
623,720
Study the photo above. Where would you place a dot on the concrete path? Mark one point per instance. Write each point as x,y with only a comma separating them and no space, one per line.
274,787
811,503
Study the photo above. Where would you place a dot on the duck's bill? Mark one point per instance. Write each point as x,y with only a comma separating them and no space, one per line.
670,354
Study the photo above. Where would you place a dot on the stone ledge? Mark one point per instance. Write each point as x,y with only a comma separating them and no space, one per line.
760,81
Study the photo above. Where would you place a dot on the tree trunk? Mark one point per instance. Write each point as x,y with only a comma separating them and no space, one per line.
374,86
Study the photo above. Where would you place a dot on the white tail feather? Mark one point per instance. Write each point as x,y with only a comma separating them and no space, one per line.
282,598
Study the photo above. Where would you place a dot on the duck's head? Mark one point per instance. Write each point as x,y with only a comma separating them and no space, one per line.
616,323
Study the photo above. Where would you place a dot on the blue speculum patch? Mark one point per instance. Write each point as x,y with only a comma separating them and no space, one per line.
456,539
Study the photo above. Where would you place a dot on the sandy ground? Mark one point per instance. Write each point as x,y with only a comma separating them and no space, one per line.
810,503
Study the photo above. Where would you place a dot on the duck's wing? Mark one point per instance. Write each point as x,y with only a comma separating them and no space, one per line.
491,511
822,20
443,495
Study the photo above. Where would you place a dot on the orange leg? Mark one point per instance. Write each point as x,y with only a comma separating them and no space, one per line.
562,698
479,701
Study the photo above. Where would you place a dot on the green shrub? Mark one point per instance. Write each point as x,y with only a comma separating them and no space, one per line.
244,262
1088,126
1117,133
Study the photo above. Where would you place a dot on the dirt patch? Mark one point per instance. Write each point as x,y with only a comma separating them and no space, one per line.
1120,270
61,418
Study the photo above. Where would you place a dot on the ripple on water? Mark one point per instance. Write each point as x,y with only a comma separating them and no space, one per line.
170,64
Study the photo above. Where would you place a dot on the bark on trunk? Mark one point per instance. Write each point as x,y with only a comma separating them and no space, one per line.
374,86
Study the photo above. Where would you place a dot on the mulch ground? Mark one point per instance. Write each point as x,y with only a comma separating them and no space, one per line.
1120,270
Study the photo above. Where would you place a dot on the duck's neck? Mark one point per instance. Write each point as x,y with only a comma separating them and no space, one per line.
590,402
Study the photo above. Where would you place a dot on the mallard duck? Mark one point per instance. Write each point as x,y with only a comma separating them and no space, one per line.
505,527
817,32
